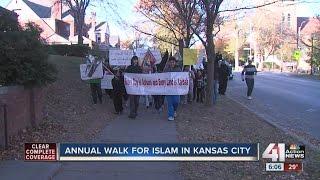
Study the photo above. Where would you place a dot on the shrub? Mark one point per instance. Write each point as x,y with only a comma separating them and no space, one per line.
23,56
69,50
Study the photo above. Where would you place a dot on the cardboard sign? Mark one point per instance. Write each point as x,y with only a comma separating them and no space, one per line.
91,71
189,56
106,81
119,57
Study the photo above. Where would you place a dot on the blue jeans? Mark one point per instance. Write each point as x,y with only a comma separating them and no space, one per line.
215,91
173,102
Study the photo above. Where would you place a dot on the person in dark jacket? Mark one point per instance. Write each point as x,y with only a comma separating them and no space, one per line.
200,86
118,91
216,78
134,99
223,77
172,100
247,74
158,99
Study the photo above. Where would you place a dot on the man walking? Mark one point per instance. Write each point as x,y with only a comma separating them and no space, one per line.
247,74
172,100
223,77
134,99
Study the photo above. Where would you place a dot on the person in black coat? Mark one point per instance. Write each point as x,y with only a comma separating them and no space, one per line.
118,91
134,99
223,77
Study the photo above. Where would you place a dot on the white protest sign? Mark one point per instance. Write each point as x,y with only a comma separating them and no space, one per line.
91,71
201,55
106,81
119,57
142,52
169,83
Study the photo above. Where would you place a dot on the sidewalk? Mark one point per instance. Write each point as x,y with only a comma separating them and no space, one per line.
148,127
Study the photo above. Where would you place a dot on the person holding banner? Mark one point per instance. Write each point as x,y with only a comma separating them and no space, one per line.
188,97
108,70
134,99
172,100
95,84
118,90
148,67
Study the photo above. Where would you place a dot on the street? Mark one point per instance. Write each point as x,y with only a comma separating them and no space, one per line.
288,102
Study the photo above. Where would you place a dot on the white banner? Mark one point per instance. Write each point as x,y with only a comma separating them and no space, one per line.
91,71
169,83
119,57
106,81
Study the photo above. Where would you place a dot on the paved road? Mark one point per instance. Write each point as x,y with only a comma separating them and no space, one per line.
289,102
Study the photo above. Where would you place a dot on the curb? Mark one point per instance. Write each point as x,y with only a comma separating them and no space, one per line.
301,139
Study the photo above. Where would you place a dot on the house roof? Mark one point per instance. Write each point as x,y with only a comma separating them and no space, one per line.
40,10
65,14
99,25
311,26
302,22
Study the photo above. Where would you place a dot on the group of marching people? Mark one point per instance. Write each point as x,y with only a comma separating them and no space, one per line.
197,85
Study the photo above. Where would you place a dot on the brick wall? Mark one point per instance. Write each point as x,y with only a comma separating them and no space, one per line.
22,110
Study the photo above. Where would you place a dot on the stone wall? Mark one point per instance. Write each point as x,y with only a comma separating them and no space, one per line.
24,108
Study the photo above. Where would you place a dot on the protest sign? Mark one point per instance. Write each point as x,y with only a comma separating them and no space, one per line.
201,57
106,81
169,83
91,71
119,57
141,52
189,56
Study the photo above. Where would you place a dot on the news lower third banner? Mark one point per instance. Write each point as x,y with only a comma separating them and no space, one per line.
140,152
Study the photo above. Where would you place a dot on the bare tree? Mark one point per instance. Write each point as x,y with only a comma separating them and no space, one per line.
209,11
78,11
175,15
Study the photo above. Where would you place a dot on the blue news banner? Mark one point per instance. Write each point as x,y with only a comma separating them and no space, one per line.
158,152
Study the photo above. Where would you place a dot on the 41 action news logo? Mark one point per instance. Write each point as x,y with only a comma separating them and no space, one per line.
280,152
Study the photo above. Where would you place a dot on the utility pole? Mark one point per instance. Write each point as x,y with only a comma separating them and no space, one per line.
311,58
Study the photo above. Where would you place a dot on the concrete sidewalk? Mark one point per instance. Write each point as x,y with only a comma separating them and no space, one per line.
148,127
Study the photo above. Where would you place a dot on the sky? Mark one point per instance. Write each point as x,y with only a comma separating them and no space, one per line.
120,14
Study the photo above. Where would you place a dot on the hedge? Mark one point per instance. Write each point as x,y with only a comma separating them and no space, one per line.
69,50
24,58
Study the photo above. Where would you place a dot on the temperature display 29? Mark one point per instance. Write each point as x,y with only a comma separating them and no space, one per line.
293,167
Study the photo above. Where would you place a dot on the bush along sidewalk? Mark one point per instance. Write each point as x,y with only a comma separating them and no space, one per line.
24,71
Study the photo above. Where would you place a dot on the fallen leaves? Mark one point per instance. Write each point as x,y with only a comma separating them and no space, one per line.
229,122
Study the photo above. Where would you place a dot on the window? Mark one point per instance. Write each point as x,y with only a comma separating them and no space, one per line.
98,38
289,18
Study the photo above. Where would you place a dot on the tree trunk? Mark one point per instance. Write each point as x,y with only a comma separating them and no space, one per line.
211,58
181,46
80,24
80,32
